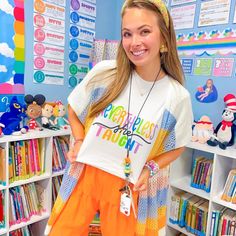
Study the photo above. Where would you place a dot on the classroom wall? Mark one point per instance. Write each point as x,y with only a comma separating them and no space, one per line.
108,26
105,28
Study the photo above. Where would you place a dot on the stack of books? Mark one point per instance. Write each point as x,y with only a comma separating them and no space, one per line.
2,207
189,211
223,222
25,231
229,192
26,159
56,183
25,201
60,149
201,173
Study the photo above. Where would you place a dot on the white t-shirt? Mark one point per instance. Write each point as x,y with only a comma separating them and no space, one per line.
106,142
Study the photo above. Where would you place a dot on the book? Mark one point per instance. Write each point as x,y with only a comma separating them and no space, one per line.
36,156
194,199
174,210
2,206
194,214
196,167
208,177
183,207
231,190
199,173
2,166
228,183
234,197
42,145
203,212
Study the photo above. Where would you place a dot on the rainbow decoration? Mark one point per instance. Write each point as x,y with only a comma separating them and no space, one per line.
207,40
12,51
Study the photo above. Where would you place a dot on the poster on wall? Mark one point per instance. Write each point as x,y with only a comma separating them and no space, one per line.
82,35
58,2
214,12
203,66
12,51
183,21
223,67
207,93
179,2
234,15
49,41
187,65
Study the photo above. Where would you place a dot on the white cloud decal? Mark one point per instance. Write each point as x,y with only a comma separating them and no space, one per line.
3,68
6,7
6,51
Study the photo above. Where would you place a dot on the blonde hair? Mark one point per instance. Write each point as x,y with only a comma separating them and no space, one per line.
170,62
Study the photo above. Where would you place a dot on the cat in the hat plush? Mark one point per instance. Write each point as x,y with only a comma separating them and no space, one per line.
224,132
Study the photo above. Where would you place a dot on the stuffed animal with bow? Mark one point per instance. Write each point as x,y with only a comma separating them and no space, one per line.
34,110
59,112
225,130
12,120
202,130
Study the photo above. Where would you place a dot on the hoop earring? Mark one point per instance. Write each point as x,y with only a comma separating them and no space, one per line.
163,49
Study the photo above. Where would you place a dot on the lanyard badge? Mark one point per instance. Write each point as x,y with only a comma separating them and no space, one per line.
126,201
126,194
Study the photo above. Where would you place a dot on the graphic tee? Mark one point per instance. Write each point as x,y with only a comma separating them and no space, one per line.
108,138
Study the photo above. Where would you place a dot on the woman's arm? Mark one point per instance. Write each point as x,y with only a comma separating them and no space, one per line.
162,160
77,129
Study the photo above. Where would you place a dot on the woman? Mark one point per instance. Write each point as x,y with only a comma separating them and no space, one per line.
130,119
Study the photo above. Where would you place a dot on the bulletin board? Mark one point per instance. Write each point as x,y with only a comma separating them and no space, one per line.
206,39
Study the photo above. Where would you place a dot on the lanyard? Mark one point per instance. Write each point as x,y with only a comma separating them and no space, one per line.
127,160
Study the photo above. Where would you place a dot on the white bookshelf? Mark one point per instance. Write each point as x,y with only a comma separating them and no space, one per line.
45,180
180,179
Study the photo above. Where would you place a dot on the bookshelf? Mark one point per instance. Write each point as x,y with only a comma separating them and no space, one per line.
180,178
42,179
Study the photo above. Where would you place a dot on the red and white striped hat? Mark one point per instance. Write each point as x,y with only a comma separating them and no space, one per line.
230,101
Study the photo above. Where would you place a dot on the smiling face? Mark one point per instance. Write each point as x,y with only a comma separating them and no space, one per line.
34,111
141,37
47,110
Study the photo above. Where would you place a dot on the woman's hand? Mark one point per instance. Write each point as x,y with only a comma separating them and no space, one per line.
142,182
73,151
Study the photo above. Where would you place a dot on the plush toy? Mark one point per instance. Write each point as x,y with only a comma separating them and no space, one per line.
34,110
11,120
59,112
47,112
1,126
202,130
224,132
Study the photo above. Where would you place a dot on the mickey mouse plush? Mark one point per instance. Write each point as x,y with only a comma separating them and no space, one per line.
224,132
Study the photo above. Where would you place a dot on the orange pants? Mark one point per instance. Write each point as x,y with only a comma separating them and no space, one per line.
96,190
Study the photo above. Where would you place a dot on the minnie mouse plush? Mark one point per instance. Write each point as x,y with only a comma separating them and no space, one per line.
224,132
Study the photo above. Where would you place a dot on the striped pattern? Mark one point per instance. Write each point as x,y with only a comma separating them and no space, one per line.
230,102
152,203
19,51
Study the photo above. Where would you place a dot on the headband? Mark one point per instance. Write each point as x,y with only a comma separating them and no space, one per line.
161,7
